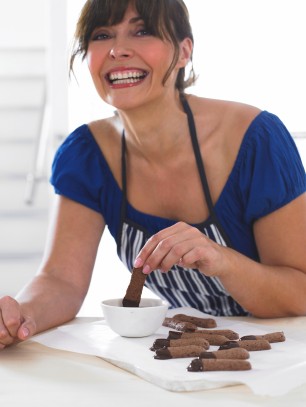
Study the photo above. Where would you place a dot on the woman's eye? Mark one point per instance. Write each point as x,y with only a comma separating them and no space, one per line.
100,36
143,32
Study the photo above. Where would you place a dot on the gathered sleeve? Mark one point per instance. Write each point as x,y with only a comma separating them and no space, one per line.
77,169
271,172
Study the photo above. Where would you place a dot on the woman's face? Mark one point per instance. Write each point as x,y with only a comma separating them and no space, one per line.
128,64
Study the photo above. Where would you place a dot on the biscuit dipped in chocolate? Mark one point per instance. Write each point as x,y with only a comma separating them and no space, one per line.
233,353
166,343
272,337
228,333
133,293
249,344
174,352
206,365
213,339
182,326
199,322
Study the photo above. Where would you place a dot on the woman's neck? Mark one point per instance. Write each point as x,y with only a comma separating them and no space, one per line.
156,129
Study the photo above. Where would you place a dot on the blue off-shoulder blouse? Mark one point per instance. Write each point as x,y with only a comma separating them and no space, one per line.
268,173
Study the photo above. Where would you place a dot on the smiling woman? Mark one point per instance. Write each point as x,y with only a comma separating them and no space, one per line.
114,33
224,64
206,197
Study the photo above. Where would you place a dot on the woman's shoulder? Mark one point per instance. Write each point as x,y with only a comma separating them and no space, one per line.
106,129
222,126
224,114
107,133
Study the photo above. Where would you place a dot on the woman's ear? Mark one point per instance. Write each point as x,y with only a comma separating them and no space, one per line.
186,48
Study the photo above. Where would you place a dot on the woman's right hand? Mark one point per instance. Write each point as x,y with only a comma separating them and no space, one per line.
14,325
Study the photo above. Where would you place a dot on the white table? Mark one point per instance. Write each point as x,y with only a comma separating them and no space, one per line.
34,375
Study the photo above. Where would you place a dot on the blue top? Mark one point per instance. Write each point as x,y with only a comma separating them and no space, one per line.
267,174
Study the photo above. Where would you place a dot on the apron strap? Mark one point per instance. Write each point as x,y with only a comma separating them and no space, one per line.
201,169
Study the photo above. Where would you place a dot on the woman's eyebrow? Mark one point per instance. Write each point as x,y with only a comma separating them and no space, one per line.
134,20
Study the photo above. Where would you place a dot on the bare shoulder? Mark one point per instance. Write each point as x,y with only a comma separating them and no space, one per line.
106,129
228,116
107,133
221,126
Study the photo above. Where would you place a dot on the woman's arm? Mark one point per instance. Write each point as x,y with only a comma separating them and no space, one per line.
56,293
277,286
272,288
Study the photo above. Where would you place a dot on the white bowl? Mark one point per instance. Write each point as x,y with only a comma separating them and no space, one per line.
135,322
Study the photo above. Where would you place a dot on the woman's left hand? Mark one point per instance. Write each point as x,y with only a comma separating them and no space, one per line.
184,245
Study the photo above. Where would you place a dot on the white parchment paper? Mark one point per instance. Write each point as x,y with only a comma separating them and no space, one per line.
274,372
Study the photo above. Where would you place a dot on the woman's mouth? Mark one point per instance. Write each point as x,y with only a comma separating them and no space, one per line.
127,77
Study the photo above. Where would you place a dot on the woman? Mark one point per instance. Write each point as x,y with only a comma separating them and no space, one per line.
207,196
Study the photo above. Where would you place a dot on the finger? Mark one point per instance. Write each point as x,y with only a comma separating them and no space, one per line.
26,330
11,317
155,240
5,337
204,258
193,242
171,250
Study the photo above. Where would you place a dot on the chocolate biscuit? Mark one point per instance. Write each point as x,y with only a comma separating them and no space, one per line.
213,339
134,290
228,333
229,345
272,337
234,353
249,344
254,345
199,322
166,343
201,365
179,352
182,326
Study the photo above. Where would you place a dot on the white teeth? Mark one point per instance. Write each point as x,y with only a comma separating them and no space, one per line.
126,77
125,81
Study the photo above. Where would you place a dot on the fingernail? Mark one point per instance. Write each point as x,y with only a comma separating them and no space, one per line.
138,262
25,332
146,269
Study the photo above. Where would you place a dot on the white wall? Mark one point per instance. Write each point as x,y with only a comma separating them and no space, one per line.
20,21
253,51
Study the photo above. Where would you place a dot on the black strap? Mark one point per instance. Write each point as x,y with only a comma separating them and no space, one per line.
197,154
124,196
201,169
123,176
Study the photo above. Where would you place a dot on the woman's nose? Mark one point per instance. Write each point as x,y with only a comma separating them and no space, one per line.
119,51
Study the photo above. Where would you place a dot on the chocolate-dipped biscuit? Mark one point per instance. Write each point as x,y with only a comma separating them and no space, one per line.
254,344
272,337
234,353
166,343
135,287
202,365
182,326
199,322
229,345
179,352
213,339
228,333
249,344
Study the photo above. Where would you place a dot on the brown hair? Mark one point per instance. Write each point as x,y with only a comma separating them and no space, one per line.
166,19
